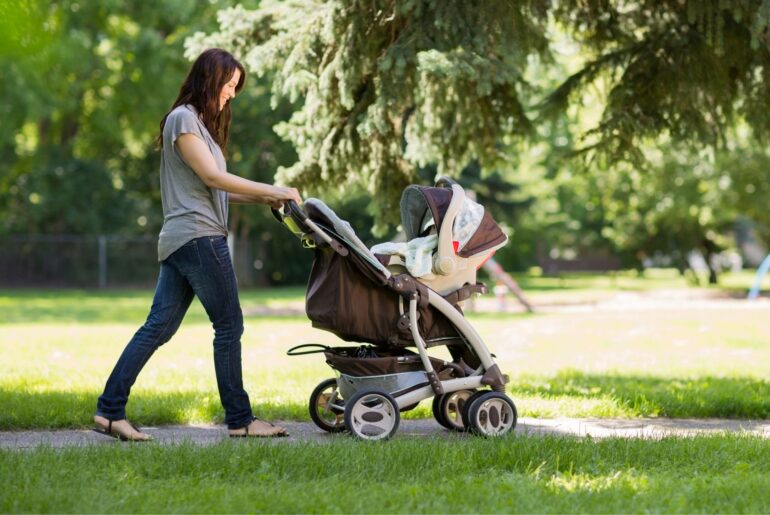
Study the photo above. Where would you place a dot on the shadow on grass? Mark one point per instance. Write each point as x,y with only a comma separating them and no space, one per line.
650,396
24,409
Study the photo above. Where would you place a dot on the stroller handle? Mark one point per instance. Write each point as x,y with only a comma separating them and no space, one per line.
289,208
292,210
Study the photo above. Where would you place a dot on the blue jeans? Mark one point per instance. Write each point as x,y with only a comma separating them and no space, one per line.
203,268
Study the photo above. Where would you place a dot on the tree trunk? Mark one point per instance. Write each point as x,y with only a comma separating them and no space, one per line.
709,251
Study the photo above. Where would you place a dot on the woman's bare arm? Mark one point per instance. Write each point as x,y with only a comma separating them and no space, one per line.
197,155
237,198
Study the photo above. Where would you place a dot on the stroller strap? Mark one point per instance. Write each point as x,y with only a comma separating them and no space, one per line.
318,348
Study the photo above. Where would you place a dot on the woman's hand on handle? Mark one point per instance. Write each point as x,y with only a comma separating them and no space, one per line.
281,195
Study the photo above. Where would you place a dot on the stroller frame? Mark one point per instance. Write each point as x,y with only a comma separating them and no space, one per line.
373,413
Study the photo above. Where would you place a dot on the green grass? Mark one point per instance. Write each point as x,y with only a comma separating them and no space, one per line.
99,306
611,395
57,348
632,280
715,474
592,287
104,306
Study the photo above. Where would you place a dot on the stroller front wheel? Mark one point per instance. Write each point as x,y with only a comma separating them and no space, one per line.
372,415
327,407
491,414
448,409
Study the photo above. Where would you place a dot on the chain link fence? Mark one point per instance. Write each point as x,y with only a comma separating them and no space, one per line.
74,261
111,261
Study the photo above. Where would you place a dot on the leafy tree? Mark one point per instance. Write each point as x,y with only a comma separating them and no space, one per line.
688,70
375,95
383,87
85,95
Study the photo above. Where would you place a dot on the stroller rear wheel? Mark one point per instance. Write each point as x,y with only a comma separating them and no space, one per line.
491,414
372,415
448,409
327,407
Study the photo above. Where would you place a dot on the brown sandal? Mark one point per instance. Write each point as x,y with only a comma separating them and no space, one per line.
108,431
246,434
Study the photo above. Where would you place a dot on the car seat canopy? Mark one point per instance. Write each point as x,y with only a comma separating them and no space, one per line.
474,230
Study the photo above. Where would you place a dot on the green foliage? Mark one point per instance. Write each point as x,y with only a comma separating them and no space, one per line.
665,102
85,85
64,195
384,87
687,70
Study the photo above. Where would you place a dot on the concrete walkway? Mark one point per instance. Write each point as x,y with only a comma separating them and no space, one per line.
307,431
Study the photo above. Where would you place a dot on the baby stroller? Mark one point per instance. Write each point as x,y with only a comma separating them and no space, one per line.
371,298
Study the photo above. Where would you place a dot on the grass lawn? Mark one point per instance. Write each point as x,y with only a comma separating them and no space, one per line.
716,474
57,348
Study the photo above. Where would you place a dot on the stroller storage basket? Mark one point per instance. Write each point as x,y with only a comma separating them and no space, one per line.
383,362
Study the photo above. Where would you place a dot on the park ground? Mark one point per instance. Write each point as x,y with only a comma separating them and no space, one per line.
612,348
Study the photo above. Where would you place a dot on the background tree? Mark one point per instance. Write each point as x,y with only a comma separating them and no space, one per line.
85,91
688,70
370,96
384,87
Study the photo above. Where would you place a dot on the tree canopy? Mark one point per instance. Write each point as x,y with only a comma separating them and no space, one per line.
634,126
383,88
683,69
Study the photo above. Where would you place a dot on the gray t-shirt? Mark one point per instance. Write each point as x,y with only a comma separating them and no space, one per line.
190,208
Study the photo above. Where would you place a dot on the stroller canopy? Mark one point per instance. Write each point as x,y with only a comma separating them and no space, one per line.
474,230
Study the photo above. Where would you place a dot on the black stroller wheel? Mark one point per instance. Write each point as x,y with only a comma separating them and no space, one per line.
372,415
448,409
492,414
327,407
468,402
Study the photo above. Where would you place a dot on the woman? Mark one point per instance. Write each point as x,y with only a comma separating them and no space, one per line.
192,248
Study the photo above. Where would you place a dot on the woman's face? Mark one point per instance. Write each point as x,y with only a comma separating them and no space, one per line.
228,91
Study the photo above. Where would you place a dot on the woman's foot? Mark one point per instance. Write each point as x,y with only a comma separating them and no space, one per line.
259,429
122,429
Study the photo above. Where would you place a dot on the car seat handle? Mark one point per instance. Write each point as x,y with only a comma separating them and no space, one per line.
445,260
295,210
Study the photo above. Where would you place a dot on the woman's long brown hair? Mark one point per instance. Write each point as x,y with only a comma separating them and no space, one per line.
201,88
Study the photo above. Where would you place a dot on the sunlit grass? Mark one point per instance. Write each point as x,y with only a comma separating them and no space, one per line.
515,474
625,363
101,306
57,348
573,287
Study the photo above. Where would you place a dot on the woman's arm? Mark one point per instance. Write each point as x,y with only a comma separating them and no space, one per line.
197,155
237,198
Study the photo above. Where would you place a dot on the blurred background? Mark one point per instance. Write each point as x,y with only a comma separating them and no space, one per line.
85,83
